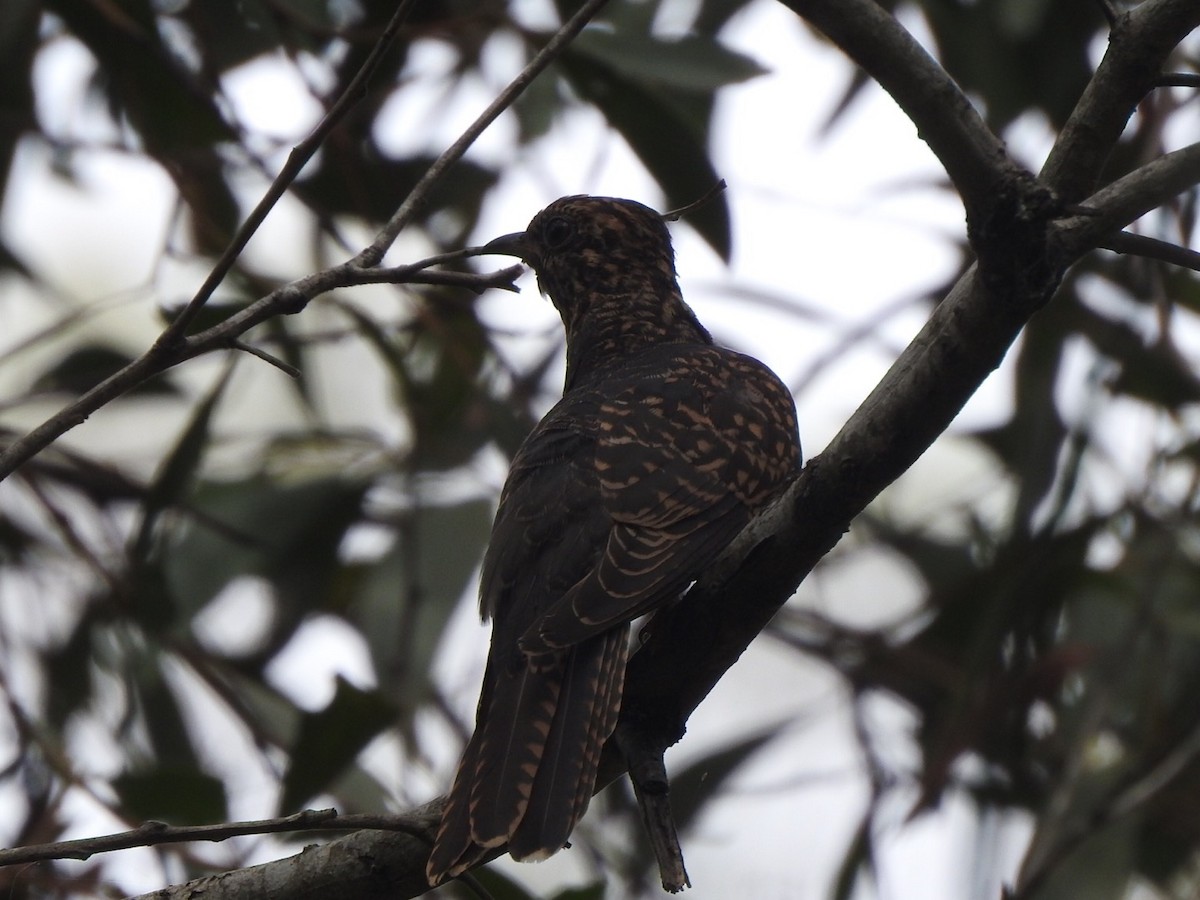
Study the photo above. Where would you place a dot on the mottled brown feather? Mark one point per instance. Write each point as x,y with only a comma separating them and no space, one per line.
660,451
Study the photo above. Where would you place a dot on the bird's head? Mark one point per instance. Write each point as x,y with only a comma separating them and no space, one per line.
608,267
584,246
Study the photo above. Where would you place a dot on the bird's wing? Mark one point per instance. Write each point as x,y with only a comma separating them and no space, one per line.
675,470
549,524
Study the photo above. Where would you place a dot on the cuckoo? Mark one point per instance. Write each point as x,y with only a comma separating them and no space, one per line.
662,448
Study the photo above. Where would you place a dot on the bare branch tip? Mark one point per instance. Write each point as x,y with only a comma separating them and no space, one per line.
266,357
676,214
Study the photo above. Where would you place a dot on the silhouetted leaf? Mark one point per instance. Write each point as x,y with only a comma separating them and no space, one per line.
400,611
84,368
594,891
500,886
286,533
175,474
361,181
68,667
329,740
178,795
669,141
702,780
692,63
1016,56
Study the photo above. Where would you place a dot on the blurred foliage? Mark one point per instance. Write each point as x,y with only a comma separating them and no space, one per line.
1056,648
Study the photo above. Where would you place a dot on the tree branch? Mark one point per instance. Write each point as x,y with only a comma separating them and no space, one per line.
296,161
1151,248
151,834
1127,199
1139,45
418,196
688,647
287,300
172,348
363,865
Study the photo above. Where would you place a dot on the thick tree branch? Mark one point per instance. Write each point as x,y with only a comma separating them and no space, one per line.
1022,259
1139,45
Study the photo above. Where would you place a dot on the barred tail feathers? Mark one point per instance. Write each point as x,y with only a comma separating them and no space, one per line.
530,767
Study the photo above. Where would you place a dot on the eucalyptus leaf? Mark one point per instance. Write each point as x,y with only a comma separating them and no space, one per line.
329,740
691,63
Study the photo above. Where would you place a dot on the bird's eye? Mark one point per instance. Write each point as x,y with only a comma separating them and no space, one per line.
557,232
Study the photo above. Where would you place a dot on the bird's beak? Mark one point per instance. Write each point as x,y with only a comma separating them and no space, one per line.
514,244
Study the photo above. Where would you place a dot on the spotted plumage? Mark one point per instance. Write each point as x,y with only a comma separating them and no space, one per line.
662,448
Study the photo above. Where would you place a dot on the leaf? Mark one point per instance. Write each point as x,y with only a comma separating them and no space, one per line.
288,534
1016,56
18,45
328,741
692,63
360,180
68,670
594,891
668,137
257,34
15,541
695,785
175,474
438,373
402,613
85,367
159,706
179,795
144,82
356,789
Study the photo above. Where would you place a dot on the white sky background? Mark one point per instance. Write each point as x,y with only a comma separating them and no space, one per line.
845,224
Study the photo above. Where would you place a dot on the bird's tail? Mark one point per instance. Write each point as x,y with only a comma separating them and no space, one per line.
529,769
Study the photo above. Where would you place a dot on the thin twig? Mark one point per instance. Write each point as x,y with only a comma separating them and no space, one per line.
419,195
296,161
286,300
153,833
172,347
1151,248
1129,198
676,214
286,368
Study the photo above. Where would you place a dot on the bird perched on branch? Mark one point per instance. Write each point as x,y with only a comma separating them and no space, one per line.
661,450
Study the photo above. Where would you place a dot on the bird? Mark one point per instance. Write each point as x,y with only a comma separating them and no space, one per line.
663,447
